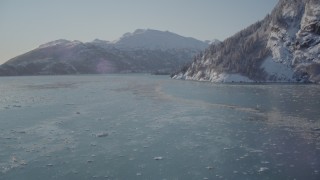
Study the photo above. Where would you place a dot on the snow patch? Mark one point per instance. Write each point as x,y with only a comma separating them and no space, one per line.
288,11
179,76
216,78
279,71
225,77
278,43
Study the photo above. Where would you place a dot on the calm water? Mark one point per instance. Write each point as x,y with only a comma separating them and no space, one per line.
129,127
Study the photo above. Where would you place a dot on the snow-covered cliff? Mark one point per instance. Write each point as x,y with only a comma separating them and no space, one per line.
283,47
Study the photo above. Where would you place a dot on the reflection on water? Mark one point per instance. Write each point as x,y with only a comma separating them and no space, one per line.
152,127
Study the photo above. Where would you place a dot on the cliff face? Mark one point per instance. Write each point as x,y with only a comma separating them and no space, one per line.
283,47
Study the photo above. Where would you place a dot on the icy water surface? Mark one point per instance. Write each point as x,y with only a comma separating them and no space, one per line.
127,127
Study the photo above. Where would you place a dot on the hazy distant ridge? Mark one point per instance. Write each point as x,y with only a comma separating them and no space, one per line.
141,51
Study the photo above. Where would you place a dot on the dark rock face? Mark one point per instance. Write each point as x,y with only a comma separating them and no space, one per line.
313,27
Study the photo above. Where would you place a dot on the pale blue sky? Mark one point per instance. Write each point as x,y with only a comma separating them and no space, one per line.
25,24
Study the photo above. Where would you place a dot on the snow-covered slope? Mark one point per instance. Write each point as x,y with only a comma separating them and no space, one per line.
284,47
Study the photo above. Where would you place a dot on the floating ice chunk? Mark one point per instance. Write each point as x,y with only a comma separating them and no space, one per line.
23,162
158,158
265,162
49,165
139,174
262,169
102,134
209,167
256,151
93,144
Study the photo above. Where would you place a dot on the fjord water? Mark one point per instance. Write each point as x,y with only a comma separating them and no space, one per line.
130,127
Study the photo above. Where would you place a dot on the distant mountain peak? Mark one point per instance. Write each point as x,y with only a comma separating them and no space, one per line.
54,43
100,41
136,32
140,31
60,42
155,39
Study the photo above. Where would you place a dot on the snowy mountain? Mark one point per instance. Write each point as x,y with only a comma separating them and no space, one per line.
154,39
283,47
141,51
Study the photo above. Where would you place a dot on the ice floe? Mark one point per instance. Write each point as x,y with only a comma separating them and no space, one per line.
158,158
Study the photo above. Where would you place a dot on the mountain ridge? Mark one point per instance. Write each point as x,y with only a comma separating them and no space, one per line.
99,56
